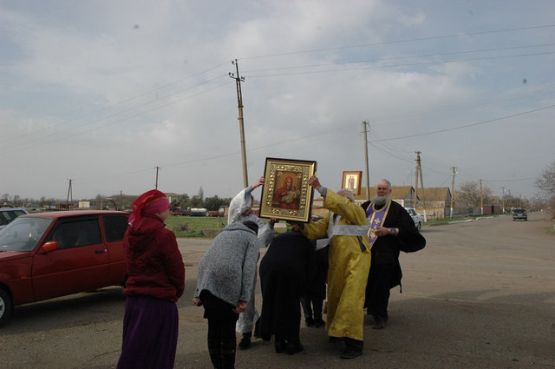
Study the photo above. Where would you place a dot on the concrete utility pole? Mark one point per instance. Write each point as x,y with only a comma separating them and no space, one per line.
503,199
453,191
365,127
238,79
157,170
481,198
419,177
69,198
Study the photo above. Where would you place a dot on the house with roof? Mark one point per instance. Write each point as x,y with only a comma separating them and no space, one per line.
436,201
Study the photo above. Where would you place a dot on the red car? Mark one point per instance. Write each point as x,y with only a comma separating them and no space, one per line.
48,255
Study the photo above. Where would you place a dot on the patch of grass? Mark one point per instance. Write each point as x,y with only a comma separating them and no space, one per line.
437,222
186,226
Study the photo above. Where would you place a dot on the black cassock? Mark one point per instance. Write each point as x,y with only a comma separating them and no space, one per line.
385,270
283,275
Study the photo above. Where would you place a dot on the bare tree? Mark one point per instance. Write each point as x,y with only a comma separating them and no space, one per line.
546,183
469,195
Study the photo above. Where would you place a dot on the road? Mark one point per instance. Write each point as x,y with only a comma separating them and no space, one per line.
481,295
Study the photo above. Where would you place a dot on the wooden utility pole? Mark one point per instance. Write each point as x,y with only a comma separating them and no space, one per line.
69,198
481,198
453,191
419,178
503,199
365,127
157,170
238,79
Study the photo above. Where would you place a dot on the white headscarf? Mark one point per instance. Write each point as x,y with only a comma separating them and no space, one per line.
239,206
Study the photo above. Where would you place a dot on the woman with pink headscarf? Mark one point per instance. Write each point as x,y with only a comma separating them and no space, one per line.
155,281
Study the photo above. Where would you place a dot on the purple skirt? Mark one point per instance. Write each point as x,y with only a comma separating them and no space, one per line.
150,329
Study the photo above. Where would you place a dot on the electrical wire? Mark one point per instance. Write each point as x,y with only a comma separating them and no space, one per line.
409,40
366,61
483,122
258,76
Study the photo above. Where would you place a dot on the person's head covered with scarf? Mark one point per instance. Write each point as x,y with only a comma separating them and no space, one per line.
240,208
151,204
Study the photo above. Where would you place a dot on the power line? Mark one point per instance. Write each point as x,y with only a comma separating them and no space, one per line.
416,39
484,122
132,98
108,123
104,121
511,179
366,61
400,65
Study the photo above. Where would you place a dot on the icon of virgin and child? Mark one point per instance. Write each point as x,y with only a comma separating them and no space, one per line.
288,190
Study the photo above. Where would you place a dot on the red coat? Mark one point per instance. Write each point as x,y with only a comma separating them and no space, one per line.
154,264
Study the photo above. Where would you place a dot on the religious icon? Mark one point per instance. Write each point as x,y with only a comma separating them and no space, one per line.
351,181
286,194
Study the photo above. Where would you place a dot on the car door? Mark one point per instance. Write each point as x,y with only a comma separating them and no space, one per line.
114,226
79,264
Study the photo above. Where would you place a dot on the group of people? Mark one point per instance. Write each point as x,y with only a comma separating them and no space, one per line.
350,258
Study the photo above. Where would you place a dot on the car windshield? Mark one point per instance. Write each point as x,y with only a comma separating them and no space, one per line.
519,210
23,234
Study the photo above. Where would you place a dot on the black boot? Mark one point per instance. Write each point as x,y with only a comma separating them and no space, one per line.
280,345
228,355
379,323
294,347
309,322
319,323
215,351
353,349
245,341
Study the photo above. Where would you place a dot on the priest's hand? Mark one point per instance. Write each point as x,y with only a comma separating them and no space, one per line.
259,183
314,182
380,232
197,302
240,307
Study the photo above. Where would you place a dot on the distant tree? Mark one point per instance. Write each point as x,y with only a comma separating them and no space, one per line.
197,202
215,202
469,195
546,183
201,194
181,201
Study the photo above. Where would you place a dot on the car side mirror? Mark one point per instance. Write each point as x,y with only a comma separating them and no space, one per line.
49,247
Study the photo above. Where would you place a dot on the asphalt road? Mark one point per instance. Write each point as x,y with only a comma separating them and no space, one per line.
481,295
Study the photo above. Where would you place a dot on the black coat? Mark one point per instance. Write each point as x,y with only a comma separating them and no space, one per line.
284,273
386,249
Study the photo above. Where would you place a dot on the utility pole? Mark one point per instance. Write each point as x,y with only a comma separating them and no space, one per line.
419,177
238,79
453,191
120,200
157,170
503,199
481,198
69,198
365,127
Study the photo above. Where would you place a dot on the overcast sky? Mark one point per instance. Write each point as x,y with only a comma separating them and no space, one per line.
104,91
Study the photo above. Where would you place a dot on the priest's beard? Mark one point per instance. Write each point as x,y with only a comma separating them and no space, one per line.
380,201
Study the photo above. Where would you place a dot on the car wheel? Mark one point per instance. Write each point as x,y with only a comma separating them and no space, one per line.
6,306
